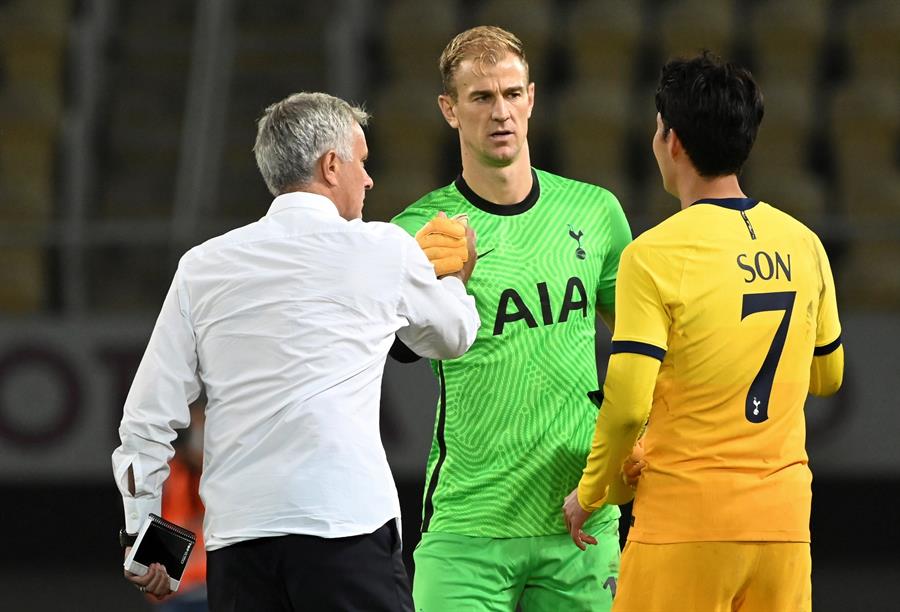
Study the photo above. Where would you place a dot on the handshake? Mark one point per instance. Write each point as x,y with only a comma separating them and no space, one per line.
449,245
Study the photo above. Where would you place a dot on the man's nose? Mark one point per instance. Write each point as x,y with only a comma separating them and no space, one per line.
500,109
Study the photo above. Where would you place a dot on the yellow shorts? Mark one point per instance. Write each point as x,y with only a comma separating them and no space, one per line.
715,577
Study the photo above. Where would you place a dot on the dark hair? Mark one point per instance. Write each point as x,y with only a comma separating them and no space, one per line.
715,107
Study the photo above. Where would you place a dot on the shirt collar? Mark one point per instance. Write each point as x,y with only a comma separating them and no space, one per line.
305,201
732,203
500,209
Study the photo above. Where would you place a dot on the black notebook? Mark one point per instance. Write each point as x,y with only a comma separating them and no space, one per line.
160,541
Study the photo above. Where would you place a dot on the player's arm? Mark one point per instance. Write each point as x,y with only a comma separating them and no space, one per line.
638,347
443,320
619,237
627,397
827,369
446,244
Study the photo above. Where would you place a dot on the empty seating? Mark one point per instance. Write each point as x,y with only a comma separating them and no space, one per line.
688,26
603,40
871,30
787,39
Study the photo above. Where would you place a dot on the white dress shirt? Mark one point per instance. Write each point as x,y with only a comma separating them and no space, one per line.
286,323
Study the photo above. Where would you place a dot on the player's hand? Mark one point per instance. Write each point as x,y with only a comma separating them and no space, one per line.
155,582
472,257
634,465
445,243
575,517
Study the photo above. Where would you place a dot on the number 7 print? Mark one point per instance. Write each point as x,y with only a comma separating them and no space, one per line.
756,406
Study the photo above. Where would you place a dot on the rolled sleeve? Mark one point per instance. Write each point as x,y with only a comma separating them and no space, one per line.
157,404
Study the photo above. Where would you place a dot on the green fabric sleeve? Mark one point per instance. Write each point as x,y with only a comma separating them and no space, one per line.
619,238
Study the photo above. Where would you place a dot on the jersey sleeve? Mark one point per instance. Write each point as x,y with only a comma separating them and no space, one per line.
828,326
642,319
619,238
628,395
827,369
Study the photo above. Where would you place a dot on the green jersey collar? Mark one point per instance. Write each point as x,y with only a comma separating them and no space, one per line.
500,209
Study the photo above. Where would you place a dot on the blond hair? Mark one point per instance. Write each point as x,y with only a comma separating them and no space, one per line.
484,45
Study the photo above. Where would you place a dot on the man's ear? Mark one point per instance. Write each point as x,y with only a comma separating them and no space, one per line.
673,142
530,91
328,166
448,109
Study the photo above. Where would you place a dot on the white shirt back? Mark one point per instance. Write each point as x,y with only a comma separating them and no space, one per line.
287,323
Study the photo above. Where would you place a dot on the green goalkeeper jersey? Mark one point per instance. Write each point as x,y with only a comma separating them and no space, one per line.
514,423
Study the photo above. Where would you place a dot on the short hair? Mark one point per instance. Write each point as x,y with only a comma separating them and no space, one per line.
484,44
294,133
715,107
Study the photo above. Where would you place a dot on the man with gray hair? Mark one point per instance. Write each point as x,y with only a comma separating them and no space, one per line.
286,324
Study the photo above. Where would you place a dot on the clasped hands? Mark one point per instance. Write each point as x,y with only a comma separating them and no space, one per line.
575,516
449,245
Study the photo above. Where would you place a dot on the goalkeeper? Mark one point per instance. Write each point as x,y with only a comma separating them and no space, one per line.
514,423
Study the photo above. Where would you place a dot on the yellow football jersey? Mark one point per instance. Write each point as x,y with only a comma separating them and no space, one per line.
734,296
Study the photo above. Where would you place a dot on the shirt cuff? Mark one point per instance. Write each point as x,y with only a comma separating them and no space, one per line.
137,509
588,507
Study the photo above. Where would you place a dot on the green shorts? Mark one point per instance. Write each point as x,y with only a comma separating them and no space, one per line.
541,573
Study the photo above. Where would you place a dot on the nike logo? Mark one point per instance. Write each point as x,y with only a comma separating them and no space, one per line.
480,255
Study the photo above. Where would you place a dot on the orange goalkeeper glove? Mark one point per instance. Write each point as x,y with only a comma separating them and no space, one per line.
444,243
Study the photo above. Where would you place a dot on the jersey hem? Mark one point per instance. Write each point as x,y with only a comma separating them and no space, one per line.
749,536
595,526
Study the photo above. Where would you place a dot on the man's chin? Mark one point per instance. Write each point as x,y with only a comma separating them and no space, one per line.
502,158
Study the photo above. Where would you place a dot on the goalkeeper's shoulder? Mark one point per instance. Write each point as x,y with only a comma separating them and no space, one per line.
423,210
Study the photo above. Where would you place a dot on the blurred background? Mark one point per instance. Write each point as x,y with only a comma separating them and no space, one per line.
126,130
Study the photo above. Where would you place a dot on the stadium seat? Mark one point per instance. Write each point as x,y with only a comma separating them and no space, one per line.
800,194
243,196
874,202
127,278
533,22
395,189
864,129
23,283
592,127
31,67
872,34
407,127
869,278
415,33
143,141
168,14
49,16
688,26
281,56
783,139
27,172
255,13
603,40
787,39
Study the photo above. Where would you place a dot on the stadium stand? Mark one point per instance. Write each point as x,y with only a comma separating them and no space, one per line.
33,42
